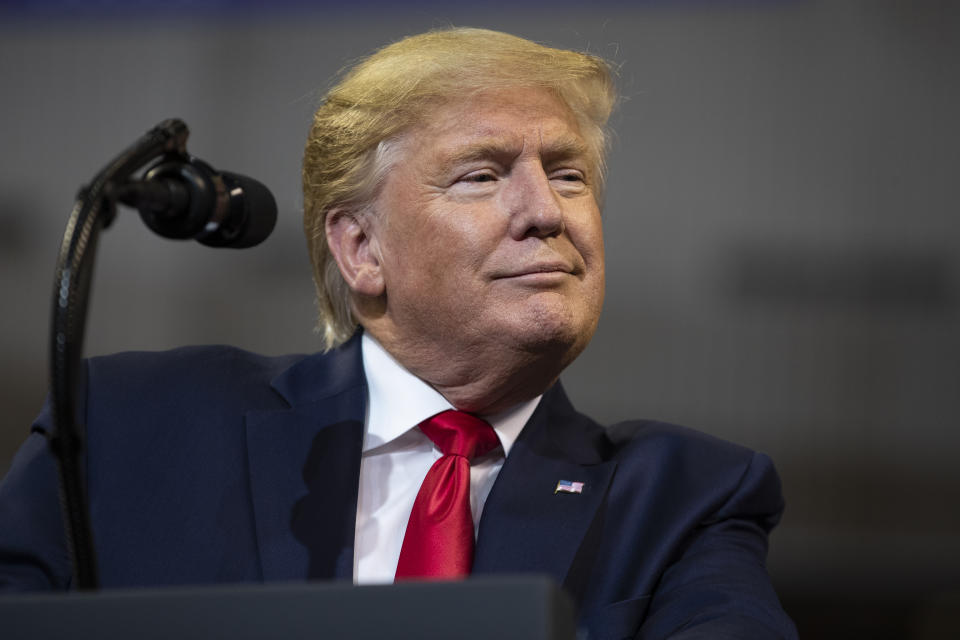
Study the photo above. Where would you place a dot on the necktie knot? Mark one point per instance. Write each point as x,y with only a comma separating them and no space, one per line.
460,434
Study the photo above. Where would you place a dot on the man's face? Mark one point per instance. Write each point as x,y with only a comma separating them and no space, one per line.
489,231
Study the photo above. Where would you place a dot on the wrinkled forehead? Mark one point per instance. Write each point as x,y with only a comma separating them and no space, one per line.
497,122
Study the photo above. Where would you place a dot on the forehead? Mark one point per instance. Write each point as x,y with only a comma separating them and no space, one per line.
500,119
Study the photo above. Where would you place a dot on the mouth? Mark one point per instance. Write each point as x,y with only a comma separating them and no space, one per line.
541,272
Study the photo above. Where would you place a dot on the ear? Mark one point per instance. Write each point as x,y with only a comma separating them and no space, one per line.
352,243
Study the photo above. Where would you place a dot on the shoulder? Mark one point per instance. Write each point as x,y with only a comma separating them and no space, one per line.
211,372
192,361
191,364
648,443
179,386
206,385
684,462
673,442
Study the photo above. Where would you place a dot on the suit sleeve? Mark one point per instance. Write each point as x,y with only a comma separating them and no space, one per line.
33,553
718,586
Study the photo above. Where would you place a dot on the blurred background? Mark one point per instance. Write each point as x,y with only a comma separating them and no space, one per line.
781,222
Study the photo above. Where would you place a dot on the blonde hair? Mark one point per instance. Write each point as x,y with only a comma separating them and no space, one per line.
349,152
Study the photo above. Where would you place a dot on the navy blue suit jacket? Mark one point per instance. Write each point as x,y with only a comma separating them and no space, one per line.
212,464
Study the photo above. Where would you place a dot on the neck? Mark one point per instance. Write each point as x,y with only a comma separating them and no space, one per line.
482,378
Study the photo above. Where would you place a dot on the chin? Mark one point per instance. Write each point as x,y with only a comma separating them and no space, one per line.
560,335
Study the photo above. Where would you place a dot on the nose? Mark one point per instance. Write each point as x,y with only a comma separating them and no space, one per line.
535,208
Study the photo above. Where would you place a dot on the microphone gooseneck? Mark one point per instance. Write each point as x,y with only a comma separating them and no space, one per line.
178,197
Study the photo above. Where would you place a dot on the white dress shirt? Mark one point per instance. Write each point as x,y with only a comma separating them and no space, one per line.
397,456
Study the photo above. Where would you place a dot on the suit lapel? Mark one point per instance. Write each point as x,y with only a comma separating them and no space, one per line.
528,527
305,465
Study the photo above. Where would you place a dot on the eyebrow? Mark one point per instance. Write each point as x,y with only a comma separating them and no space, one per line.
566,146
481,150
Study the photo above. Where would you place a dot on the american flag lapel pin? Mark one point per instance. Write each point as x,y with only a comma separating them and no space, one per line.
567,486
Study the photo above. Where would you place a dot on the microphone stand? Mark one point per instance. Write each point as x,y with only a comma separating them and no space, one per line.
94,210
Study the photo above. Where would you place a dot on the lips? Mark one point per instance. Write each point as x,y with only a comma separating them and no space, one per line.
537,268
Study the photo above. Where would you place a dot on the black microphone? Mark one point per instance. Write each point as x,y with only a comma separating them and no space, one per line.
182,197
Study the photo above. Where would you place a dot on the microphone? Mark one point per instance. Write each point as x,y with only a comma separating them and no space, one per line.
184,197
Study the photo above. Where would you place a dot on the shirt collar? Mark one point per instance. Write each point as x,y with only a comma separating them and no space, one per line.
399,401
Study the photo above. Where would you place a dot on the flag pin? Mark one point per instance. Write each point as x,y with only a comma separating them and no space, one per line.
566,486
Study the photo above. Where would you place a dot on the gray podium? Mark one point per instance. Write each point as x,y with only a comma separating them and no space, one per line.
522,608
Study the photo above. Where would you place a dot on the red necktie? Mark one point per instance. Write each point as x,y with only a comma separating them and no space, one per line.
439,538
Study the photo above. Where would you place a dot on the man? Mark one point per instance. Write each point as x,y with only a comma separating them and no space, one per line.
452,185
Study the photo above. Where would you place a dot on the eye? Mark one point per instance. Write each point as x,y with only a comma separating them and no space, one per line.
569,179
479,177
567,175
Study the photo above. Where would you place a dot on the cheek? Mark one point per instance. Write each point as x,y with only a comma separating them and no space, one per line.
461,239
596,246
586,232
433,253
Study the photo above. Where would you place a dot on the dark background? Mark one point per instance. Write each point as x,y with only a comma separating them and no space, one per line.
781,225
